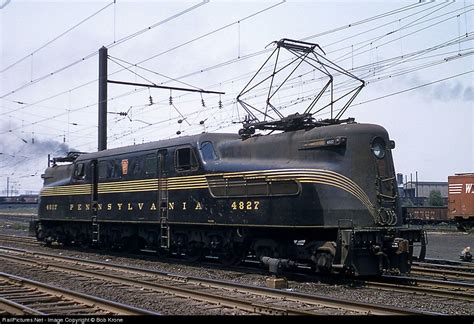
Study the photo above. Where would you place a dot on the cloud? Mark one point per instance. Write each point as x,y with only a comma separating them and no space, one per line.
468,94
450,91
446,91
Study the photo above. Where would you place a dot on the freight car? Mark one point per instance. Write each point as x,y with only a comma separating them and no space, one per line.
461,200
425,215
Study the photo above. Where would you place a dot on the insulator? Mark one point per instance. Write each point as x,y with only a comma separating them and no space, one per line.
178,132
122,113
180,121
201,122
151,100
171,100
220,104
203,103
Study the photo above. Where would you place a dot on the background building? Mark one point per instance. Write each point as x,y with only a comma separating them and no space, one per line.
417,193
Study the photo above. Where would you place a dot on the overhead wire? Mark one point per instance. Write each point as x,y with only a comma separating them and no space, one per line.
402,9
420,67
151,71
115,43
57,37
132,91
388,42
149,58
337,110
264,51
150,125
381,97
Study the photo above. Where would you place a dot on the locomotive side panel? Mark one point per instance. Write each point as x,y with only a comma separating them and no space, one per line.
333,175
127,188
322,196
55,195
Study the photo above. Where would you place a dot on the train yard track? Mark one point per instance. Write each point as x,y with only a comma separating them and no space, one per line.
207,292
27,240
458,266
452,282
463,291
444,262
21,296
446,273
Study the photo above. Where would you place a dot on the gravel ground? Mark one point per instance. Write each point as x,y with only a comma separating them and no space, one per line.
446,245
144,299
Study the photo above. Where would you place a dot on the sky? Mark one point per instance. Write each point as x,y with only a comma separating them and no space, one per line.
416,59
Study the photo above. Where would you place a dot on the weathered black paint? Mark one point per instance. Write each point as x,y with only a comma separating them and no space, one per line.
315,214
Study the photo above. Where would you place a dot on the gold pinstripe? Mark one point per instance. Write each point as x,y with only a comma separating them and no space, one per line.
319,176
66,190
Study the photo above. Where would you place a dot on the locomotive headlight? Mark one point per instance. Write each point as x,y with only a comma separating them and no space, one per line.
378,148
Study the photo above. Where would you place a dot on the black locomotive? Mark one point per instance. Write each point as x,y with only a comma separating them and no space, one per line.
324,196
320,193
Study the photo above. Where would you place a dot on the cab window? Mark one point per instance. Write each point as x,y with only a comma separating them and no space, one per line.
102,169
79,172
185,159
150,165
208,152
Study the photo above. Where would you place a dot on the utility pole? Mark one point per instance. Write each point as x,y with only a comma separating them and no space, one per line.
102,131
8,184
416,186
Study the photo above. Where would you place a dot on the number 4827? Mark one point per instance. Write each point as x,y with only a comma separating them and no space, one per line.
245,205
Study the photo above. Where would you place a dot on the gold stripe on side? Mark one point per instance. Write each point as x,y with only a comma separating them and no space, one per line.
319,176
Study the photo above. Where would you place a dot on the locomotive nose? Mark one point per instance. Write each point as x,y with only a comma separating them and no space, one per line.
385,181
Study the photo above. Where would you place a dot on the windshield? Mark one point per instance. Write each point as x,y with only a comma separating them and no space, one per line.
207,151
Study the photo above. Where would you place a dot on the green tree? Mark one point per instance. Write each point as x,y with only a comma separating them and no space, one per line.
435,198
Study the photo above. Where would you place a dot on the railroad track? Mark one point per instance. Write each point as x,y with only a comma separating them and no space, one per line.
21,296
19,215
28,240
422,286
445,262
445,289
209,293
462,267
442,273
419,268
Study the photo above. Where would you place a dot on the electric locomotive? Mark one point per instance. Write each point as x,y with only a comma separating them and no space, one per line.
324,196
320,193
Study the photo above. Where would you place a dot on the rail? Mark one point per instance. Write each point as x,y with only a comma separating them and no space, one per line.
22,296
252,299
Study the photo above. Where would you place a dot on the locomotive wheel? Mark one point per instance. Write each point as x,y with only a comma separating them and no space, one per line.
230,256
83,241
194,252
132,244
